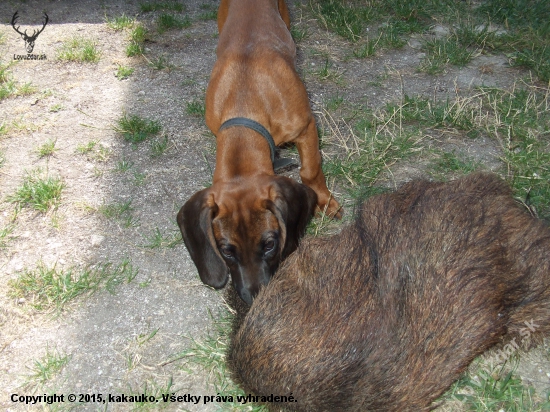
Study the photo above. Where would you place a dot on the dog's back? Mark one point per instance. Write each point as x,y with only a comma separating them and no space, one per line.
254,75
387,314
258,25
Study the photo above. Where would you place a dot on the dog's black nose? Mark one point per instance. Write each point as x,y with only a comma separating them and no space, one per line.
245,295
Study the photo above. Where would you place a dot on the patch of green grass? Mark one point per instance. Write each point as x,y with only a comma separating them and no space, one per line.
121,211
465,41
46,289
159,6
334,102
520,120
56,108
366,49
326,72
86,148
195,108
5,235
536,59
79,49
450,164
25,89
208,353
145,283
390,38
9,87
120,22
21,124
138,35
471,35
123,72
449,114
346,18
360,171
116,210
123,165
7,230
210,12
136,129
159,146
134,49
47,367
160,63
298,33
500,390
527,40
440,52
47,148
38,191
423,11
349,18
139,178
377,140
519,13
168,21
157,240
528,166
403,26
430,113
94,151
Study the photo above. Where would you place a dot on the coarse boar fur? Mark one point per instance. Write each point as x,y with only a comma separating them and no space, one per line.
386,315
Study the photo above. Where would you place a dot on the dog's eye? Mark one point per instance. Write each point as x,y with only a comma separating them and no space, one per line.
227,252
269,246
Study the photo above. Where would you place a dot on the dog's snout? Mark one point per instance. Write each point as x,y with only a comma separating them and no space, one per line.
250,275
247,286
246,294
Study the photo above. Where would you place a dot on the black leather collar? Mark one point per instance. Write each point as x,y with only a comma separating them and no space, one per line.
257,127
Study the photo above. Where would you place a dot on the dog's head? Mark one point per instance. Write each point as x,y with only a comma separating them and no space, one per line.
246,227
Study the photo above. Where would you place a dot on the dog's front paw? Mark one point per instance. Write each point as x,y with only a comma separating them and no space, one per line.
330,208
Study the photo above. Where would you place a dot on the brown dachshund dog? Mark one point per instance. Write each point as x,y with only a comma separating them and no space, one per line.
249,220
387,314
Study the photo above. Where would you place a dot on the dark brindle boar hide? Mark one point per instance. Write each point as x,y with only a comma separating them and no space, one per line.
386,315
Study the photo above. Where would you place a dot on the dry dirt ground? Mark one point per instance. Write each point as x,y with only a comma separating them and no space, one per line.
110,338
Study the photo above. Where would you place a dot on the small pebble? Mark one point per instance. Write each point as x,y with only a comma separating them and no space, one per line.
96,240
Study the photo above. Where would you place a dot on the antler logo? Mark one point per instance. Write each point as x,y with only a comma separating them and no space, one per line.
29,40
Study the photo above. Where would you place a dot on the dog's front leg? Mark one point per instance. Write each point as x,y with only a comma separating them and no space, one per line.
312,174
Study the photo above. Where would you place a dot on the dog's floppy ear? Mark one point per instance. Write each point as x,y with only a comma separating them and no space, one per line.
195,222
293,204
